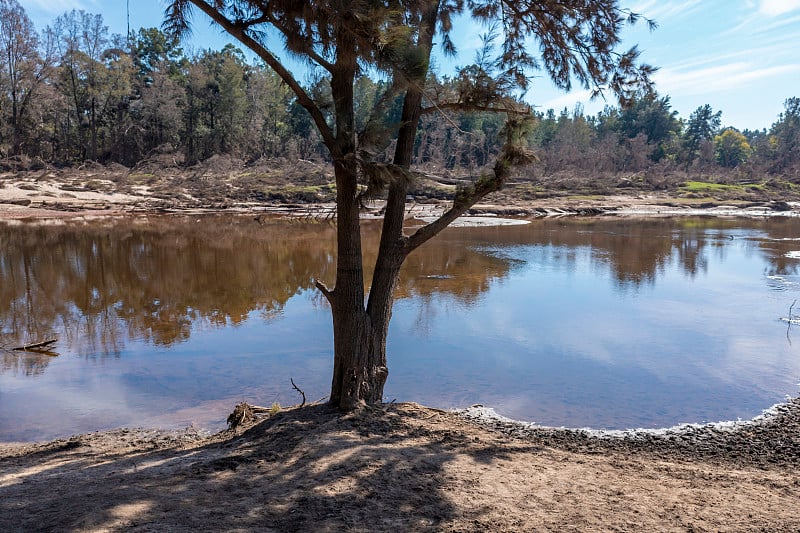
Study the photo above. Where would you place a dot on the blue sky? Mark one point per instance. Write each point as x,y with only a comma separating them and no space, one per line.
740,56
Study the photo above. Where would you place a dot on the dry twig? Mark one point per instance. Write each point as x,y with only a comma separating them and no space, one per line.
33,346
303,394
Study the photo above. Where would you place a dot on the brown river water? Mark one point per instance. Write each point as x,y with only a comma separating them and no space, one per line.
605,322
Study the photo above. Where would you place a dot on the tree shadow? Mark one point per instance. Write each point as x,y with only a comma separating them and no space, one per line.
308,469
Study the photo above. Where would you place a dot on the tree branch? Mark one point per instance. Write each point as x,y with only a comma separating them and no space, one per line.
324,290
34,346
303,394
321,61
513,154
465,198
240,32
459,106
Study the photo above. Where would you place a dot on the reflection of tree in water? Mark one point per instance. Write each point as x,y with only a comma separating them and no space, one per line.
637,251
94,285
27,363
783,237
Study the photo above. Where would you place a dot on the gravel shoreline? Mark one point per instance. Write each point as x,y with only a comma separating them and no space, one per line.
770,439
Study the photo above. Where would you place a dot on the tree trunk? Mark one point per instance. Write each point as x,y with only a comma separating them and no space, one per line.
359,361
360,370
15,126
94,129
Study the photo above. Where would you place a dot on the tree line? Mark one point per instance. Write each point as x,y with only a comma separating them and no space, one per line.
73,92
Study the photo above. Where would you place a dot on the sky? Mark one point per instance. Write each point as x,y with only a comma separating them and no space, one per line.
740,56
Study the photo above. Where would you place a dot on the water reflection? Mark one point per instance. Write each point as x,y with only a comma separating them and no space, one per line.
589,321
96,285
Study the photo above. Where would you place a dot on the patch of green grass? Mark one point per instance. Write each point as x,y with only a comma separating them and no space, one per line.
309,188
706,187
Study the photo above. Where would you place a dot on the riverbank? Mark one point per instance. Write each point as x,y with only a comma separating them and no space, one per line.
304,189
406,467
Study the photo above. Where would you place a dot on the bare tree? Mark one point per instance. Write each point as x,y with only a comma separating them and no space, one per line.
23,69
82,39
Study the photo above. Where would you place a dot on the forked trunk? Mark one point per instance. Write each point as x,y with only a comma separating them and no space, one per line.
359,360
360,371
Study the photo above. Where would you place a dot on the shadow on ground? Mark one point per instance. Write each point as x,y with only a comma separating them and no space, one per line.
308,469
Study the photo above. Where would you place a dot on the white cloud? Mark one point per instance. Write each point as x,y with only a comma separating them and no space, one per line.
773,8
567,100
715,79
660,10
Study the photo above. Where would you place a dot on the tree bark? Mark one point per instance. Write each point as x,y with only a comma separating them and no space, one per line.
359,361
363,377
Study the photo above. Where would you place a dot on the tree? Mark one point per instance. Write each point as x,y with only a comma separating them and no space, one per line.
731,148
82,39
114,89
703,125
575,39
786,135
652,116
157,112
267,128
216,103
154,51
23,70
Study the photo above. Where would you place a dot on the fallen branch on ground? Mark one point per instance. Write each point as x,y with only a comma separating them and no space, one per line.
246,414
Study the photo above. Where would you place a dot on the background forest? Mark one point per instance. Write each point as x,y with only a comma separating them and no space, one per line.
73,93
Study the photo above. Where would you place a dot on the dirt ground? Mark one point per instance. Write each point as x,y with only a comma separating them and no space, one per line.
304,187
401,468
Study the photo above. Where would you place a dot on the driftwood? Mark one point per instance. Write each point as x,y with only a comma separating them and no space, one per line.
246,414
36,346
792,318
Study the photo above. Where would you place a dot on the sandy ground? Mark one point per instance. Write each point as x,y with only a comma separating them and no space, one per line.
400,468
100,191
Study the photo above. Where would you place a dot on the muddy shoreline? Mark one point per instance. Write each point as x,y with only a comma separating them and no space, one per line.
773,438
407,467
770,439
